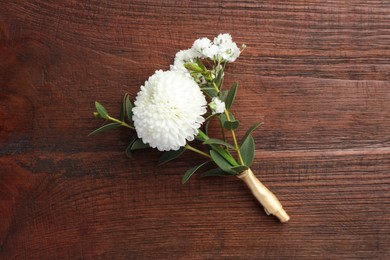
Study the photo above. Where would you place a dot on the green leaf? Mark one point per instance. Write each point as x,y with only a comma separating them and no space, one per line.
187,175
223,95
215,172
200,64
170,155
231,125
139,144
105,128
240,168
208,120
101,110
129,107
250,130
225,154
221,162
223,118
218,141
128,148
191,66
231,96
219,78
247,151
122,113
206,127
209,90
202,136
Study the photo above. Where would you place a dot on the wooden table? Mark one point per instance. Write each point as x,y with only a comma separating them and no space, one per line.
315,72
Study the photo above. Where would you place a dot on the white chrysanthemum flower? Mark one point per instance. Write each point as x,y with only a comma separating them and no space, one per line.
217,106
168,110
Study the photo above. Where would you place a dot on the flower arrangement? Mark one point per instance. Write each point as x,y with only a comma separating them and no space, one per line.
175,107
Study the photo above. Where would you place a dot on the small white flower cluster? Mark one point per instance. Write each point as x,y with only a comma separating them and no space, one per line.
222,49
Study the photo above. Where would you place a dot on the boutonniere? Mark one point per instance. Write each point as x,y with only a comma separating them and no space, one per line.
173,110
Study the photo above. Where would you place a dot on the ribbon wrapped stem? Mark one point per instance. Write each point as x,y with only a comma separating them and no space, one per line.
269,201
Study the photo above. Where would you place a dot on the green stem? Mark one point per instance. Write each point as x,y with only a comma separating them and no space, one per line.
121,122
235,140
210,77
215,86
222,130
189,147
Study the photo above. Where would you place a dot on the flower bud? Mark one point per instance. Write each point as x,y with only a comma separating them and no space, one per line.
193,67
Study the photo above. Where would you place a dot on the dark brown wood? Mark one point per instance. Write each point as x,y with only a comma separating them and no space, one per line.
316,72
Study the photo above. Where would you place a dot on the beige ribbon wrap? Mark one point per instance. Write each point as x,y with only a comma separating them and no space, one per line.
269,201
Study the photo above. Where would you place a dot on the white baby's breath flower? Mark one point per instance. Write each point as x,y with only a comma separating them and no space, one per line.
227,49
168,110
187,55
182,57
217,106
211,52
223,38
201,44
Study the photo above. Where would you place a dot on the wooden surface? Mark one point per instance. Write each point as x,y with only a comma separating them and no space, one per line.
316,72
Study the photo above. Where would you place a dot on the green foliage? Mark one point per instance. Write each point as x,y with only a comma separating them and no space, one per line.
225,154
171,155
223,95
223,117
128,148
129,107
206,127
247,151
191,66
221,162
240,168
187,175
218,141
250,130
202,136
231,96
219,79
105,128
201,65
231,125
139,144
215,172
101,110
209,90
222,152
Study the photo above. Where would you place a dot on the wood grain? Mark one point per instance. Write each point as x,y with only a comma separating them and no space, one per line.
316,72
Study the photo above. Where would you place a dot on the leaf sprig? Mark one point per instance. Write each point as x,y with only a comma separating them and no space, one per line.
125,120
